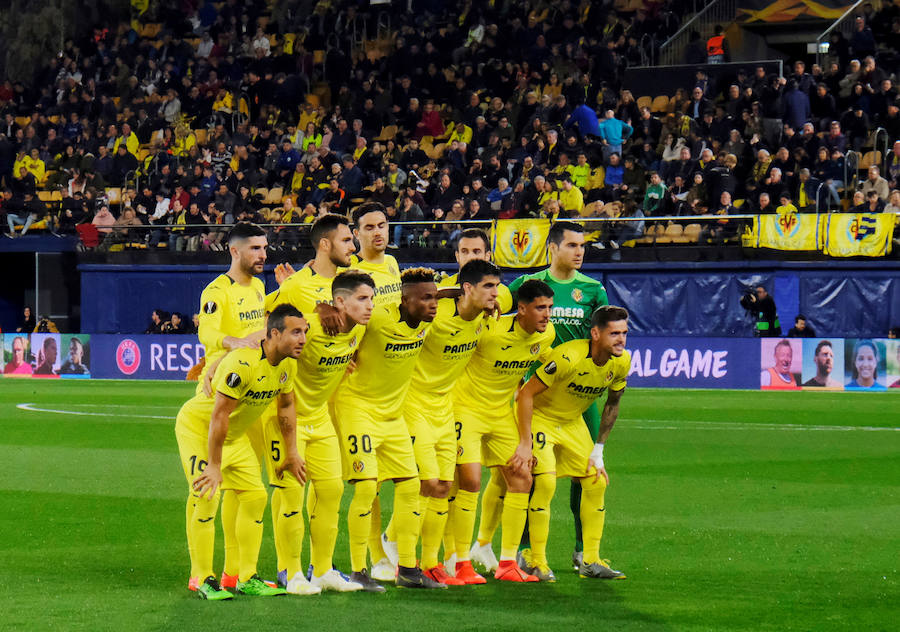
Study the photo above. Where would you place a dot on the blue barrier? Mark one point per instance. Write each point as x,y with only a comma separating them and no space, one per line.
840,299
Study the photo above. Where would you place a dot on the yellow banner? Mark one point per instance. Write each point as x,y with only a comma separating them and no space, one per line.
139,6
521,243
858,234
786,231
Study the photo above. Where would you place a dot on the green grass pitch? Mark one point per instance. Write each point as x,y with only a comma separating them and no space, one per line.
728,510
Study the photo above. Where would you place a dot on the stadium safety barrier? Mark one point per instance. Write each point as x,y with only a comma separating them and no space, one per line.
851,364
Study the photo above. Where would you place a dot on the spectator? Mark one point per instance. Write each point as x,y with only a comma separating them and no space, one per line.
801,329
28,323
717,47
874,182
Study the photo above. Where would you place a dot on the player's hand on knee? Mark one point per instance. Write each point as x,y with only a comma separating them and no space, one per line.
210,479
295,465
521,460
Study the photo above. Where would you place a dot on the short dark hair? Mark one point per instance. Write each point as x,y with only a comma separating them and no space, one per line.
558,230
416,275
277,316
606,314
474,233
346,282
533,289
474,271
324,226
823,343
244,230
366,208
799,317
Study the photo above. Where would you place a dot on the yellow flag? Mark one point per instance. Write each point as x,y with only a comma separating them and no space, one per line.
858,234
786,231
521,243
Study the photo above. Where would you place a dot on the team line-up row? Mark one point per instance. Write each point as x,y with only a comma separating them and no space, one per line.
353,371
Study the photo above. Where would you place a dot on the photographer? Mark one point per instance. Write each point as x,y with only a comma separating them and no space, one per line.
762,305
45,326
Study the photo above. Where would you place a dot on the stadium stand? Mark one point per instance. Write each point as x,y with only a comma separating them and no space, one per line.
236,108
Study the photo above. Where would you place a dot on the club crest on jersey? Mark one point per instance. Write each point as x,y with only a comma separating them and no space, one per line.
233,380
609,376
283,378
358,466
352,342
478,331
550,368
421,334
535,348
259,297
577,295
210,307
459,451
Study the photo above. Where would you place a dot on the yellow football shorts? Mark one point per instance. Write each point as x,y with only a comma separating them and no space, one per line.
561,448
240,466
489,437
374,448
434,440
317,444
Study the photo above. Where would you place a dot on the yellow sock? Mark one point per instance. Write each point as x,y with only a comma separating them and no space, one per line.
311,498
249,530
435,511
593,516
491,506
189,507
229,515
515,512
406,520
287,524
449,541
464,522
203,534
376,551
390,532
359,521
539,516
323,524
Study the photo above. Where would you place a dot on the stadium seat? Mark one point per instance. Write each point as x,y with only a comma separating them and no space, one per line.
318,57
644,102
692,233
659,104
869,159
313,100
275,195
262,193
201,135
387,133
114,195
90,236
671,234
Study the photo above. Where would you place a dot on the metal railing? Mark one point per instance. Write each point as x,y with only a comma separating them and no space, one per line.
851,174
843,24
716,12
883,134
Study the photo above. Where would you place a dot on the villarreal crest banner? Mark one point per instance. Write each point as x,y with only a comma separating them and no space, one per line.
521,243
786,231
858,234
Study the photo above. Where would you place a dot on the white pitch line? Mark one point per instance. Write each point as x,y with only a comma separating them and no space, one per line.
34,409
642,424
655,424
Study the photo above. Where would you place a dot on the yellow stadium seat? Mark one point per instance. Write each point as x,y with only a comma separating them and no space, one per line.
869,159
114,195
274,196
644,102
692,233
659,104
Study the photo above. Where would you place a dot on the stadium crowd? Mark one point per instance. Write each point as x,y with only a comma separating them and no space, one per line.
224,112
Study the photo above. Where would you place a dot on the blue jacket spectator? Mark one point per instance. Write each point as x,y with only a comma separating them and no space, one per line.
796,106
586,120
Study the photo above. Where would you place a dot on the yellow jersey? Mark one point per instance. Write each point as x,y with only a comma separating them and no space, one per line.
228,308
574,381
304,290
386,276
504,353
322,366
450,344
504,296
385,361
247,376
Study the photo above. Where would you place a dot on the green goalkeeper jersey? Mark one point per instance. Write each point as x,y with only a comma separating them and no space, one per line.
574,301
